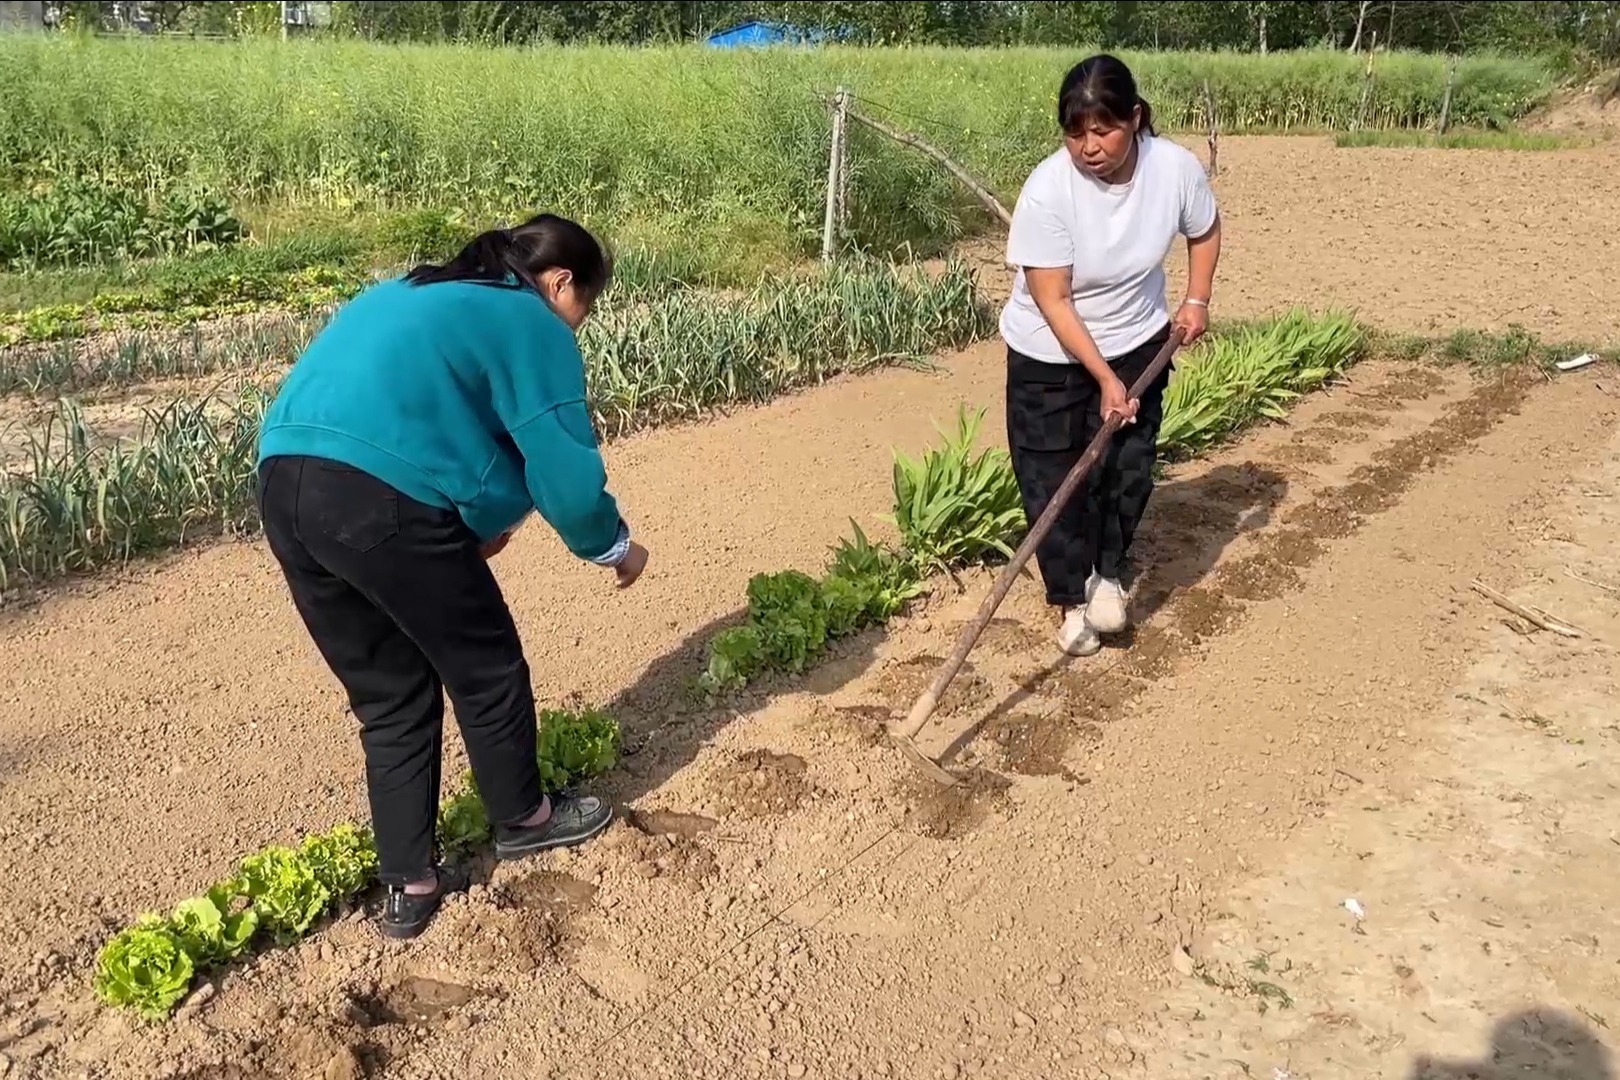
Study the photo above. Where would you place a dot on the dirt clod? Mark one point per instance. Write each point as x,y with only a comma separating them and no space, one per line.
759,783
671,823
951,812
906,681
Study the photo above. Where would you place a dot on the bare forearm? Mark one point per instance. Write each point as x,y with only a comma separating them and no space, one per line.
1203,255
1053,300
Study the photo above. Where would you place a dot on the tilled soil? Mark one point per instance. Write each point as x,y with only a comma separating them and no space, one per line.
749,911
785,896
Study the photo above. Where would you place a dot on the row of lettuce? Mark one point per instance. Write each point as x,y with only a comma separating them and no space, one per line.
277,895
954,506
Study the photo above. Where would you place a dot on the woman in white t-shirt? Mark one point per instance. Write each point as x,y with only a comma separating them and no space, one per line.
1089,237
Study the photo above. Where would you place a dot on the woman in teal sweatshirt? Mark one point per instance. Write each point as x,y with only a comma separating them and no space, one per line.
431,415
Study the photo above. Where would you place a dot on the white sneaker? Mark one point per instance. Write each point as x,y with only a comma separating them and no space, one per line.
1105,605
1076,637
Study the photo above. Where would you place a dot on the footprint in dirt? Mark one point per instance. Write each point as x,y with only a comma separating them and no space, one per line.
946,813
852,725
1353,418
1035,745
415,1001
526,924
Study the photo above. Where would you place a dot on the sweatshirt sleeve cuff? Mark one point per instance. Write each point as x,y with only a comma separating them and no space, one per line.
615,554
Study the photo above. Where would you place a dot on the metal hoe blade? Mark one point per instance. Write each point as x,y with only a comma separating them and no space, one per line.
928,701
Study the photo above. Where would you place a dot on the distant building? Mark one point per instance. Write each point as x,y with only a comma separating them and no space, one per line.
759,34
22,15
309,15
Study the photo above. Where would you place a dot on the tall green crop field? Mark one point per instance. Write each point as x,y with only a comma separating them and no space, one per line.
660,143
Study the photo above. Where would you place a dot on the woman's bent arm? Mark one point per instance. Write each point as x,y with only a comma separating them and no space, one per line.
568,480
1049,286
1203,254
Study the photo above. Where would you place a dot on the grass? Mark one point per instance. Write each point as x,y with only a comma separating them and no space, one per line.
301,274
79,505
67,367
715,152
1461,140
183,277
1486,351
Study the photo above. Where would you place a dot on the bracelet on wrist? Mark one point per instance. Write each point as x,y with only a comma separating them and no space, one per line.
1196,302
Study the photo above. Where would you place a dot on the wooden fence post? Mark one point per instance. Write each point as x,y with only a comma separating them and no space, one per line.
1445,102
843,174
835,168
1366,85
1214,130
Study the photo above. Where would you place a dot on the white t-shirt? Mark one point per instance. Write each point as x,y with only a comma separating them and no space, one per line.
1116,236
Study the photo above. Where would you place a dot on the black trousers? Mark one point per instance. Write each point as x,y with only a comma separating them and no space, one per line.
404,608
1052,416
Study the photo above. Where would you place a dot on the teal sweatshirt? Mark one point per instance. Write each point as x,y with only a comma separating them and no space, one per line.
462,395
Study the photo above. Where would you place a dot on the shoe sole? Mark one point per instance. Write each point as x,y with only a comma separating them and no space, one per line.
399,932
511,851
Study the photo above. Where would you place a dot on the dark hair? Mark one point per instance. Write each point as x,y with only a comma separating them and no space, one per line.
542,243
1101,87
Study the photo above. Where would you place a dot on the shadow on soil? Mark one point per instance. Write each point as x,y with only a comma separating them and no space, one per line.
1189,525
1537,1044
667,722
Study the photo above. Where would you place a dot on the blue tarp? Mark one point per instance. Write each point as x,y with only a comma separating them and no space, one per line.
756,34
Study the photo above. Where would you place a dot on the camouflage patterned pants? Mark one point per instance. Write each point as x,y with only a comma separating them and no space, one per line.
1052,416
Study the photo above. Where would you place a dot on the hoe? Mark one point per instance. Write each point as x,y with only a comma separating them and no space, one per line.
924,708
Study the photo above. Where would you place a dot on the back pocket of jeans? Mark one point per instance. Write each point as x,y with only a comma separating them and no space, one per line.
351,506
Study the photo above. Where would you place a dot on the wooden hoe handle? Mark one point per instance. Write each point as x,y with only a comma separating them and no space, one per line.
929,701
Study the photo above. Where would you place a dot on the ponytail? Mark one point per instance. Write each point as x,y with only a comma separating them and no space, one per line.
1147,117
542,243
487,257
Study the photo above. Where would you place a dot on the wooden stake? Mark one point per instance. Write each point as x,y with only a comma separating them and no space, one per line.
835,161
1214,132
1445,102
1366,85
843,178
907,139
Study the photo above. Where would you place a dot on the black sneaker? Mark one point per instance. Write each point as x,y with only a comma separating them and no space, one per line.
573,820
405,915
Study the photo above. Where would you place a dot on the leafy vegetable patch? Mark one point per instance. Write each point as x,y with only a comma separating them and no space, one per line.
279,894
